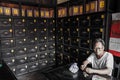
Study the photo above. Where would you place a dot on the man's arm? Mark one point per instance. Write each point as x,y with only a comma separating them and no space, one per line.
101,71
87,61
84,65
106,71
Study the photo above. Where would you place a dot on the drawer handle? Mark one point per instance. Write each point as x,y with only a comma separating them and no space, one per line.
32,41
22,70
33,50
5,22
20,42
33,58
8,53
22,61
21,51
33,67
7,43
19,23
20,32
6,33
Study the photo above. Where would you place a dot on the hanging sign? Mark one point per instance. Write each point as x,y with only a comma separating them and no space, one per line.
114,43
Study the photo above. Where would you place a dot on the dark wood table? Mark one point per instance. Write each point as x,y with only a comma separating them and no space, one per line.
63,73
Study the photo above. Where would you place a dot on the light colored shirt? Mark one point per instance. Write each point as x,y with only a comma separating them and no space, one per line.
105,61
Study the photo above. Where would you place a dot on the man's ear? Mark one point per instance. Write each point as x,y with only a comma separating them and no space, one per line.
103,48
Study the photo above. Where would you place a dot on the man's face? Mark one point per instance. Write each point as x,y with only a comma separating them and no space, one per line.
98,48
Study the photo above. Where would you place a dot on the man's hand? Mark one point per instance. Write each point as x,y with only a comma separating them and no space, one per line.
89,70
83,67
85,63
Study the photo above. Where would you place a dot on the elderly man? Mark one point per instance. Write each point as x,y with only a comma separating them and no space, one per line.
102,61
